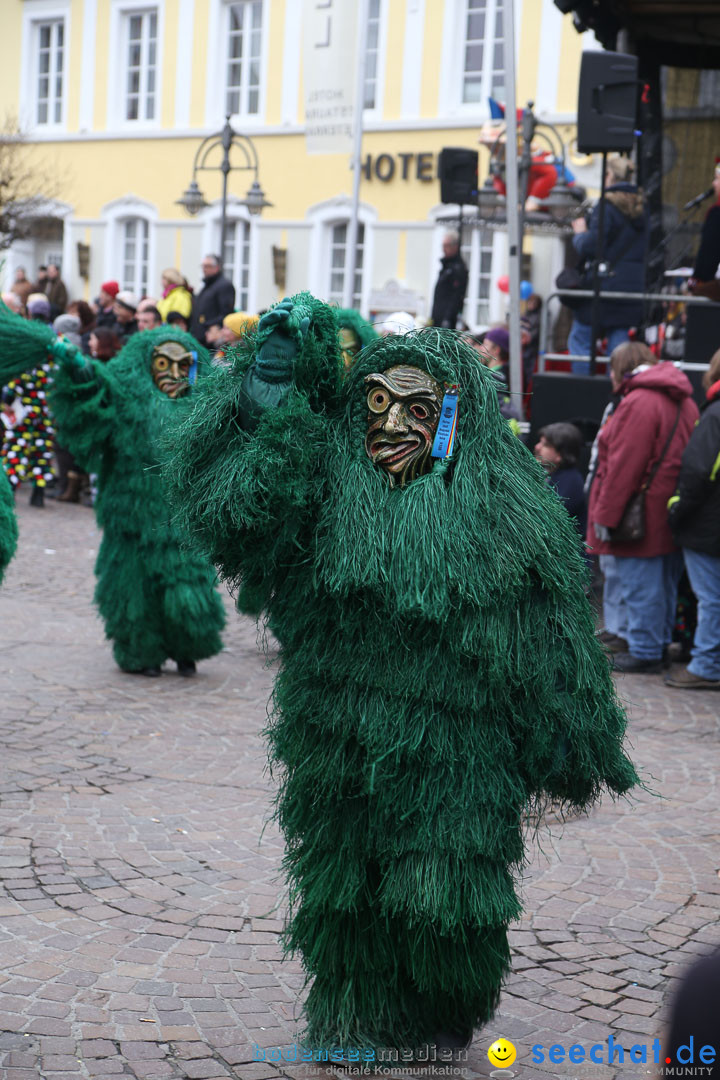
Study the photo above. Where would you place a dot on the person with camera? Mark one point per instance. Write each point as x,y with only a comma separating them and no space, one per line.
639,451
624,236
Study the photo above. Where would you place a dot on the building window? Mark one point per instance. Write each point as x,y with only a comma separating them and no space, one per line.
135,248
141,54
477,251
244,41
338,249
236,260
372,55
50,37
483,60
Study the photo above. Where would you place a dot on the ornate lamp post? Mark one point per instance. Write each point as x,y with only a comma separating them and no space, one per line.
193,200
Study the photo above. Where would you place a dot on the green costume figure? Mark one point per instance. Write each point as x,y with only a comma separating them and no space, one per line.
8,524
355,334
11,365
439,674
157,600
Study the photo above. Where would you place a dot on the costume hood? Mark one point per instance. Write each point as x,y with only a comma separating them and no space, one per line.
664,377
349,319
485,513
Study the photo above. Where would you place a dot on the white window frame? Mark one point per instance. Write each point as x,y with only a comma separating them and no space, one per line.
323,217
472,251
211,245
375,113
143,94
218,46
120,14
142,236
452,74
248,35
327,291
114,216
35,15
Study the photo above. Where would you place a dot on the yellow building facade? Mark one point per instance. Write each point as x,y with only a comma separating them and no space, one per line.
117,94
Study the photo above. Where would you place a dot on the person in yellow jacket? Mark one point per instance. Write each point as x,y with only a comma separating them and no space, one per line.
176,295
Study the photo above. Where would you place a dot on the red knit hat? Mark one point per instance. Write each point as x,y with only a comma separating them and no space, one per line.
111,288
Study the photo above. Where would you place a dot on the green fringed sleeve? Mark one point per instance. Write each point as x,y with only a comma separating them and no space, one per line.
8,524
24,345
245,498
83,409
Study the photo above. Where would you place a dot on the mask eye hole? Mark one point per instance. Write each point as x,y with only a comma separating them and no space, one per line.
161,363
419,411
378,400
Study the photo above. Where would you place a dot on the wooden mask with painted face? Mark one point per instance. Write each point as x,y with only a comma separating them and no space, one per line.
171,364
403,411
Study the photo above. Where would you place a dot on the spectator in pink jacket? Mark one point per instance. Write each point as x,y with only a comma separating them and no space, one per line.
654,401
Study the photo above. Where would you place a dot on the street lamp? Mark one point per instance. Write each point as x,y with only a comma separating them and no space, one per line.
561,201
193,200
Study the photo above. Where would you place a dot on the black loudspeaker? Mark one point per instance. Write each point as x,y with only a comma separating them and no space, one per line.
702,334
458,175
576,399
607,102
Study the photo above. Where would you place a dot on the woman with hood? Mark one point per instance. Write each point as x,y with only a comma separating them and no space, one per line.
640,448
625,235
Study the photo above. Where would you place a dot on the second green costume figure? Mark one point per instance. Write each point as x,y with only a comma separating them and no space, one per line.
158,600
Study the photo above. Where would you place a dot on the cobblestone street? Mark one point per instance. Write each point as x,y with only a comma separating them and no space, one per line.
140,901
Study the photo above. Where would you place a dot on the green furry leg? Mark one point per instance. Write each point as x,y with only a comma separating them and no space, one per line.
192,611
155,606
381,983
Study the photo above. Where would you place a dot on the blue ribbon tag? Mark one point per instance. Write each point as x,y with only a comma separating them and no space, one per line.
192,373
447,424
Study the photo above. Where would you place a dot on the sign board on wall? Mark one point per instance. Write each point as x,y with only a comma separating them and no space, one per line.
330,47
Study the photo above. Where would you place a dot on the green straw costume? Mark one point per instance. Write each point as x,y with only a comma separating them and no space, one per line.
439,674
8,524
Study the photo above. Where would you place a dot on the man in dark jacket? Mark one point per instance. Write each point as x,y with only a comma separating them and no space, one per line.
451,284
55,291
125,308
215,300
625,235
694,512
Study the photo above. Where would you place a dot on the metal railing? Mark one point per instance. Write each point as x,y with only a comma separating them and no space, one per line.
661,298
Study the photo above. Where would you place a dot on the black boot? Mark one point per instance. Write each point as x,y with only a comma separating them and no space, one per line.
37,498
151,672
186,668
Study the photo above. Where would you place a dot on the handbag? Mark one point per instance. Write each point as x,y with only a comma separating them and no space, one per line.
631,527
571,278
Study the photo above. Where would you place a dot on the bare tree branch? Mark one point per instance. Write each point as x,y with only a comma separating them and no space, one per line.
27,185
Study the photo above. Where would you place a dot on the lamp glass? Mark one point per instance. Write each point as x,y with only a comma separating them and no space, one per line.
193,200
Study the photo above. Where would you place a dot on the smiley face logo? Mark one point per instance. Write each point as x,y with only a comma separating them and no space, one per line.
502,1053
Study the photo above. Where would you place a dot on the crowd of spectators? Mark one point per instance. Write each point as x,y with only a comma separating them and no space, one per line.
650,449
